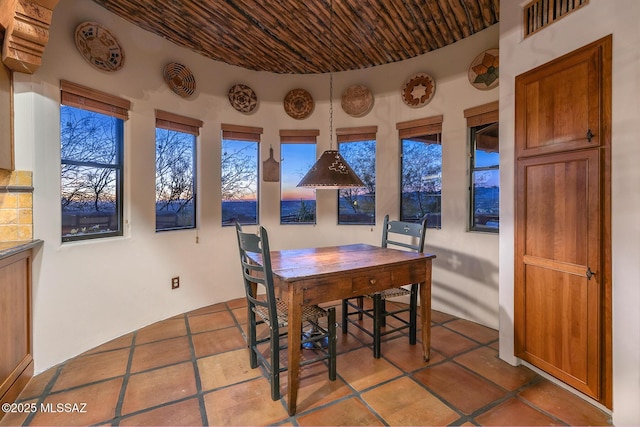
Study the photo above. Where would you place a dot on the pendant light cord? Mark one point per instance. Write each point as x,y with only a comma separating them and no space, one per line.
331,75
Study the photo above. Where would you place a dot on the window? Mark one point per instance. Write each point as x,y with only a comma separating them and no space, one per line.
175,171
297,156
91,161
358,148
239,180
421,170
484,187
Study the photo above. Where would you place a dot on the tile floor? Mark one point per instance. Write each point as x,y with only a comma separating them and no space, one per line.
193,369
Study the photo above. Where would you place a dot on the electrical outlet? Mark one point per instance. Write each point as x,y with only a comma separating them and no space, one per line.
175,282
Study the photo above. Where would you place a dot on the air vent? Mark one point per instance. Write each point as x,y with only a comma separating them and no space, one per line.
539,14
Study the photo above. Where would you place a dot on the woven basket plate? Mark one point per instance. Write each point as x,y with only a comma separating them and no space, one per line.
298,103
357,100
418,90
180,79
243,98
483,71
99,47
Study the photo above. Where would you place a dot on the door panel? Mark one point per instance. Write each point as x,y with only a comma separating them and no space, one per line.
557,305
558,105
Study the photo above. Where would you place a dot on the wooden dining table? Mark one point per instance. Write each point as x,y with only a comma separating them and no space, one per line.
320,275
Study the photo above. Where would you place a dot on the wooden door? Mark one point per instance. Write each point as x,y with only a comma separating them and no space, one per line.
562,270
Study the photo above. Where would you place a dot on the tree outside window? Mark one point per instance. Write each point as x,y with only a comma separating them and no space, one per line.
358,205
421,179
91,174
175,180
239,181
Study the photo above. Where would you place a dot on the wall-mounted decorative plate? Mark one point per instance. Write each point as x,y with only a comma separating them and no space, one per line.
99,47
483,71
180,79
242,98
357,100
298,103
418,90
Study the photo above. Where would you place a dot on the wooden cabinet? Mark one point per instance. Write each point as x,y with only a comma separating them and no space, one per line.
6,118
16,360
563,219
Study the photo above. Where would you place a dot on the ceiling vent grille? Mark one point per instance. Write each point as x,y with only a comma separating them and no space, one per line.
539,14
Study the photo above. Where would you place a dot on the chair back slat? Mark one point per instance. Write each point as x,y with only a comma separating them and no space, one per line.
410,235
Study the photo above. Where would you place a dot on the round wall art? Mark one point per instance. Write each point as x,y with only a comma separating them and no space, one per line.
242,98
180,79
418,90
99,47
483,71
298,103
357,100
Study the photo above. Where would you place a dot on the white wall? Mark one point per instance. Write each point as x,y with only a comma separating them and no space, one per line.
594,21
86,293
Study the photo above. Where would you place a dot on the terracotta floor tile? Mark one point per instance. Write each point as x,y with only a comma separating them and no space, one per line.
214,342
37,384
117,343
245,404
403,402
514,412
17,418
208,309
349,412
225,369
408,357
473,330
236,303
448,342
100,400
240,314
170,328
211,321
160,353
185,413
459,387
93,367
440,317
564,405
315,387
346,342
159,386
361,370
485,361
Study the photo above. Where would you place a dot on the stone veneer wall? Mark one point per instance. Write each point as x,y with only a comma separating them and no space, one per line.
16,206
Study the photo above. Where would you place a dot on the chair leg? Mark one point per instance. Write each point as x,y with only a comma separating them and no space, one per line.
377,317
383,313
360,307
413,314
275,364
345,320
331,327
253,359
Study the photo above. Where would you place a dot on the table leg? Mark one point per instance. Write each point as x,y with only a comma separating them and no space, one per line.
294,338
425,312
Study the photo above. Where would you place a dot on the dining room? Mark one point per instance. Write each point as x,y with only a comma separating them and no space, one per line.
163,291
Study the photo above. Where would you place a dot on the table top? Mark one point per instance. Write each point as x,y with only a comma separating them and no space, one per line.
292,264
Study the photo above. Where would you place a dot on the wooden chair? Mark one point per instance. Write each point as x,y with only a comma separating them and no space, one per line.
265,308
402,234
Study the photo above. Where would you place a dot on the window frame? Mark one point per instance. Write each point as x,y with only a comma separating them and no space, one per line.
176,123
355,135
481,116
246,134
299,136
407,130
83,98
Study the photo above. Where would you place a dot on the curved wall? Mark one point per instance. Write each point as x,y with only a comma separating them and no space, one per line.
87,293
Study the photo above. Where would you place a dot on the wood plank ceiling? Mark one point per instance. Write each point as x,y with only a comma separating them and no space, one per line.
309,36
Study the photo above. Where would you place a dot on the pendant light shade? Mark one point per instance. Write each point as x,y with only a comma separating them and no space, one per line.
331,171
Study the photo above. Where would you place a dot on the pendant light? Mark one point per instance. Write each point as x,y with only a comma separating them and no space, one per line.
331,170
